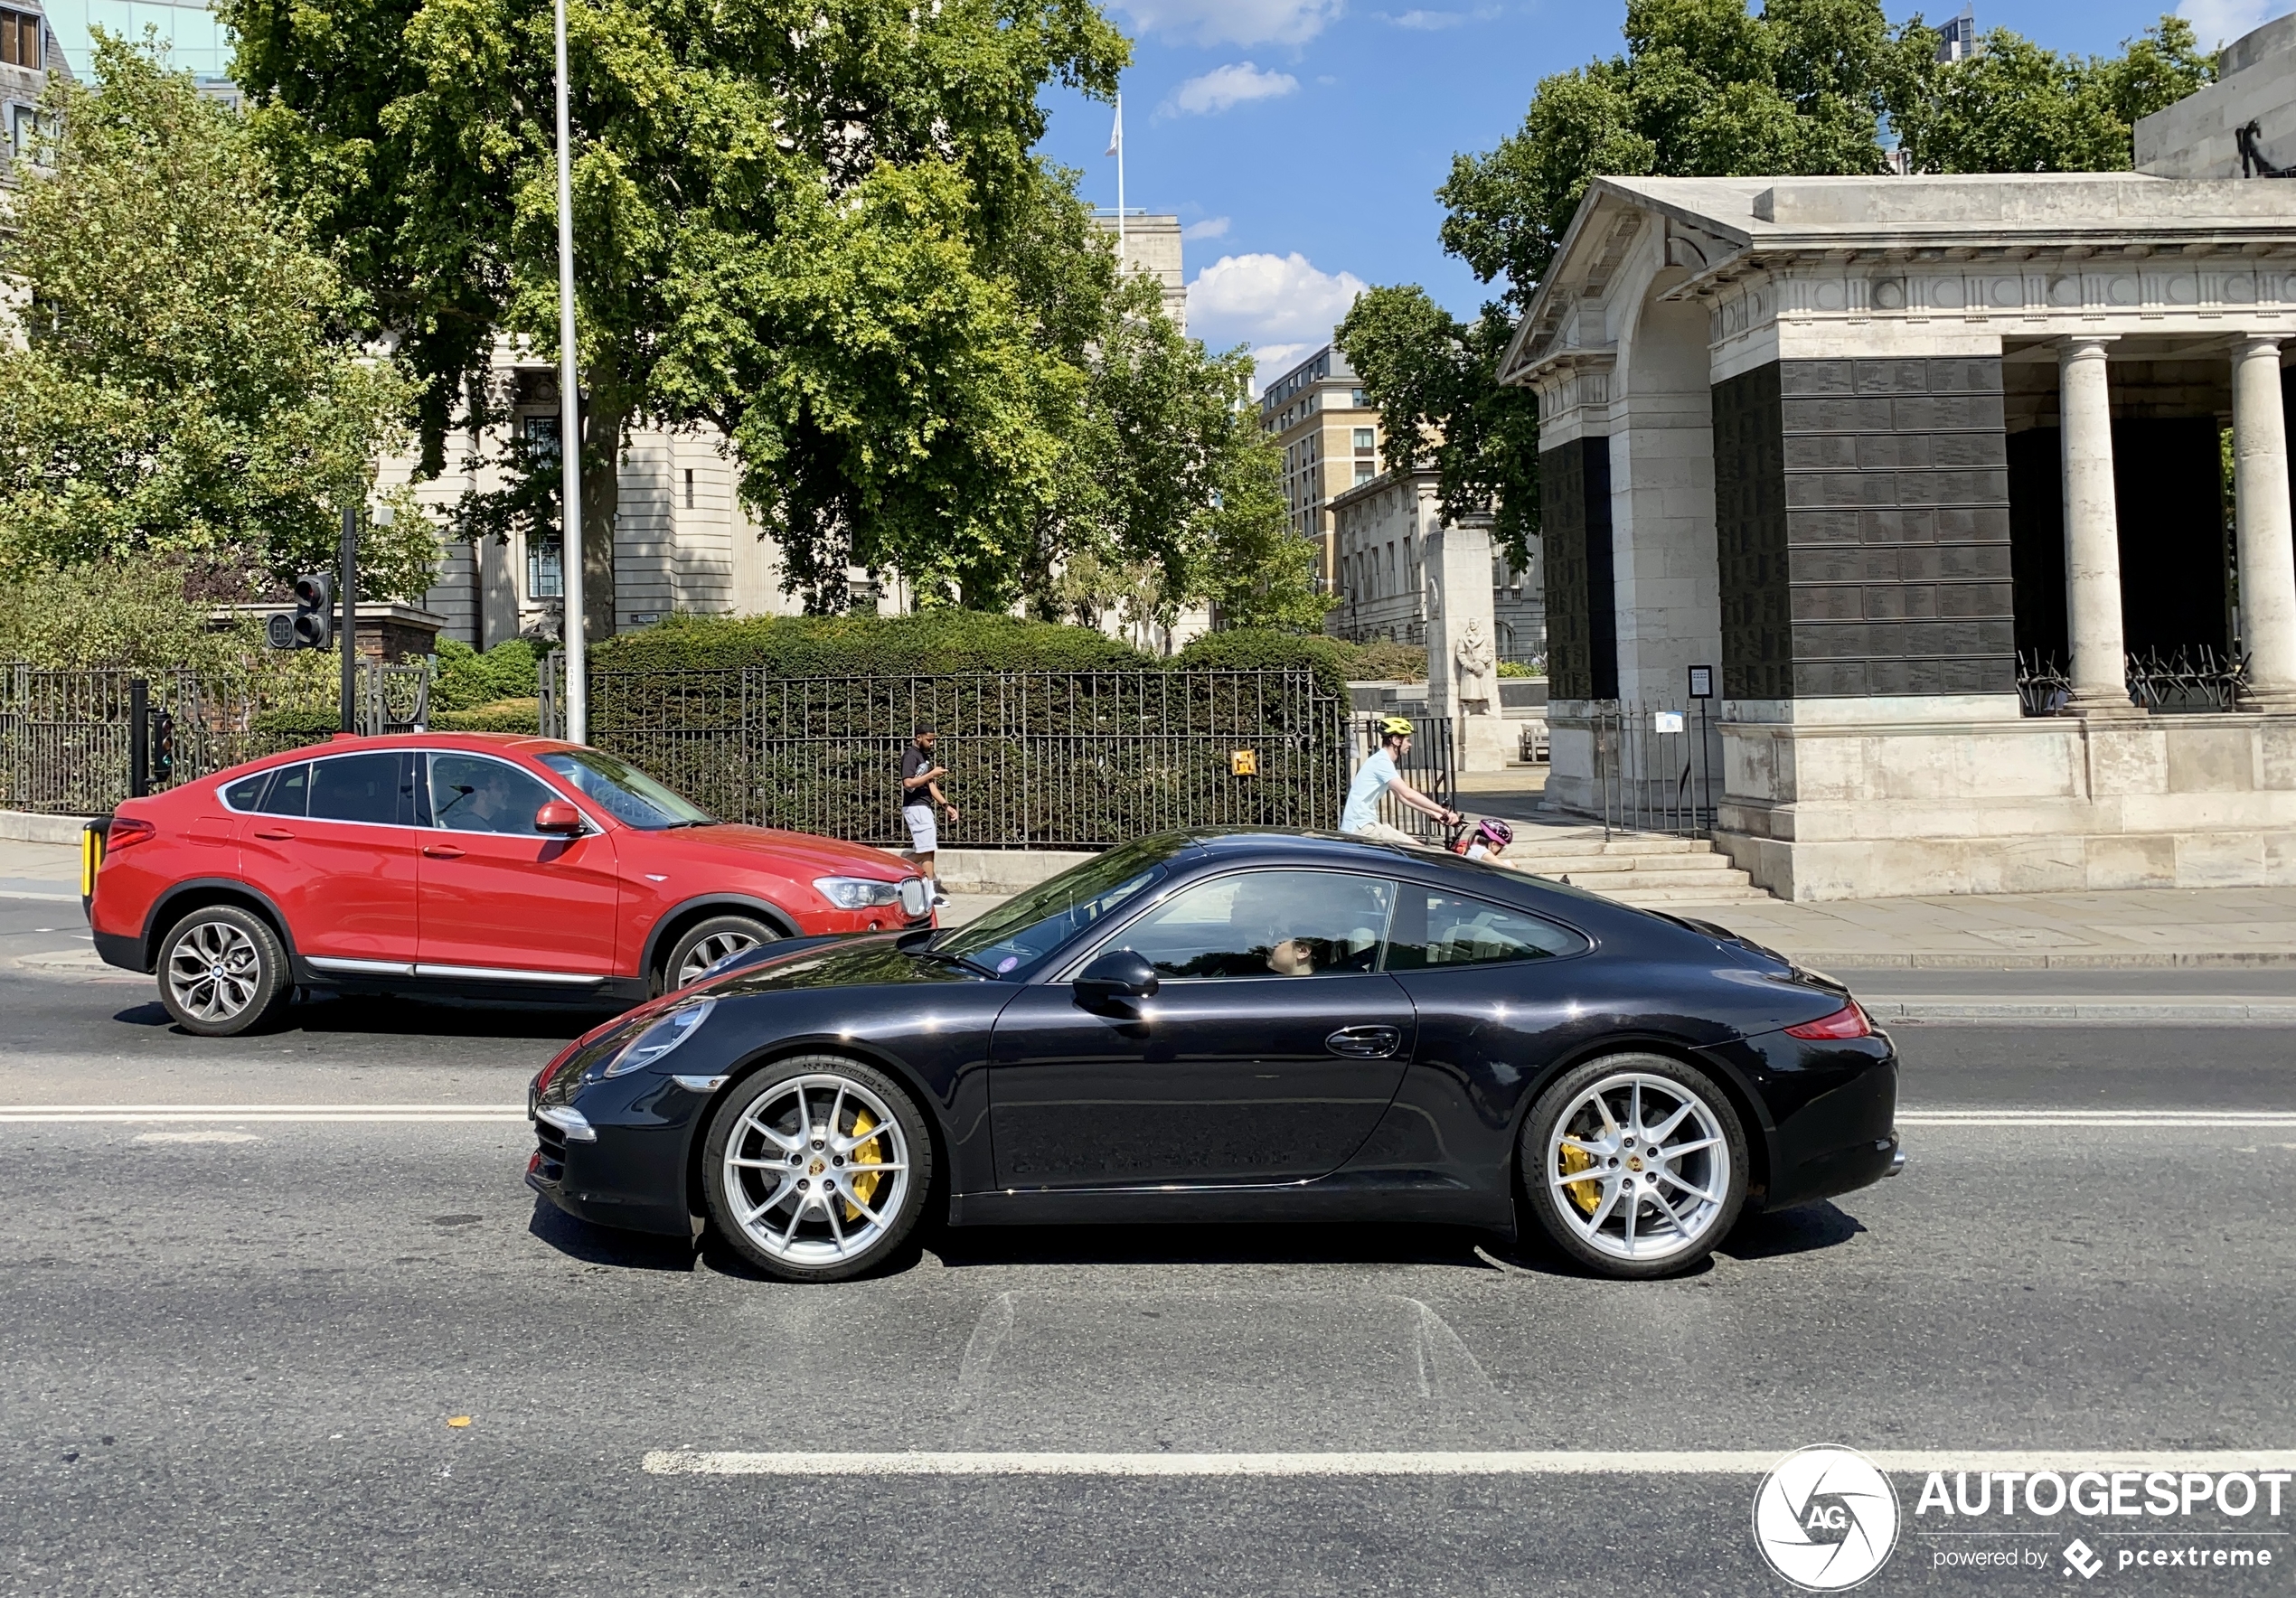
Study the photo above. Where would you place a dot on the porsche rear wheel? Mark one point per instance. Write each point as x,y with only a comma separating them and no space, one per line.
816,1167
1635,1165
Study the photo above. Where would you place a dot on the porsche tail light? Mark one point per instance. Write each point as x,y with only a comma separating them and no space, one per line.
125,830
1848,1022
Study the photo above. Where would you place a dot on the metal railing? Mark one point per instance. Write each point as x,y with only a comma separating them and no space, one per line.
67,738
1658,766
2196,679
1043,759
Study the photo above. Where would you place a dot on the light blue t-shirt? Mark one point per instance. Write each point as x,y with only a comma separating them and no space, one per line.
1371,780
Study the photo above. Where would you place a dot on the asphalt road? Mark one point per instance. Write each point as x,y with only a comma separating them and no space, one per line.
235,1347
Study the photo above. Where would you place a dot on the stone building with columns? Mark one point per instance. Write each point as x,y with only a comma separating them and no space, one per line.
1885,450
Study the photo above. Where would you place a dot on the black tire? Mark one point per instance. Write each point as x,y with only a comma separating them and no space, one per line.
1635,1217
803,1236
221,972
709,941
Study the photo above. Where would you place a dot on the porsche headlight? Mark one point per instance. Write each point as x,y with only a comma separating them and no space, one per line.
857,893
659,1039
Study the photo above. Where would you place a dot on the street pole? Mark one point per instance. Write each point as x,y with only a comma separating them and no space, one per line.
569,426
349,584
1120,181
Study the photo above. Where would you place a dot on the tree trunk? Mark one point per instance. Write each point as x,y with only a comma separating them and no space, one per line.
603,415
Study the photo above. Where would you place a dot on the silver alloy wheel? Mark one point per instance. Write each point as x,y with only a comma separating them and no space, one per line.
700,958
1638,1167
214,971
817,1170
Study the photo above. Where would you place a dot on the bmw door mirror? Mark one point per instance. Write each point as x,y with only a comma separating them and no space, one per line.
1120,973
560,819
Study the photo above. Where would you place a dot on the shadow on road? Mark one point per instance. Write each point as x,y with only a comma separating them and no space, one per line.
1209,1244
1803,1230
390,1016
604,1246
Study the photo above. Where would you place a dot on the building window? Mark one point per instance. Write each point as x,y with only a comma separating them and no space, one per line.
1363,440
1355,398
545,547
689,488
1364,473
28,133
20,40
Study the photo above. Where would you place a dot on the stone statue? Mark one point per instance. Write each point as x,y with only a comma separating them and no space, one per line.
1476,665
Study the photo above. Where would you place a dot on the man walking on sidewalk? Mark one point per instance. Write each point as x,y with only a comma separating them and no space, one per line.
920,794
1378,776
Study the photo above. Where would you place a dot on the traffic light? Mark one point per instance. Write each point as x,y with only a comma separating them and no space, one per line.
163,767
312,626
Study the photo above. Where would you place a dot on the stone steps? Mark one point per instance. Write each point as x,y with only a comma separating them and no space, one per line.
1634,868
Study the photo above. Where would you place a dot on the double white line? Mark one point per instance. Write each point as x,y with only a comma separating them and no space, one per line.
2206,1120
139,1114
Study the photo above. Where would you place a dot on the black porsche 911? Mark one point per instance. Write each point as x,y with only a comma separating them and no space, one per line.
1231,1026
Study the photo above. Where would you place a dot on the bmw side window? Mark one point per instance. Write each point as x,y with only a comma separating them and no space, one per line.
290,792
1435,929
377,789
471,794
247,794
1266,923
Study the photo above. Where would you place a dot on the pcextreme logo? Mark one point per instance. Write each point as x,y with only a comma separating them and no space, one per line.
1825,1518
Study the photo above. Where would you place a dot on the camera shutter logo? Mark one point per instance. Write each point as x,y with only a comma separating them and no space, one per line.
1825,1518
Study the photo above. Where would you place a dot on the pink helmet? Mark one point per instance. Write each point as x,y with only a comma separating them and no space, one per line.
1498,834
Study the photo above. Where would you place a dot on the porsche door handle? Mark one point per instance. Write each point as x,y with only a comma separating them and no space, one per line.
1365,1042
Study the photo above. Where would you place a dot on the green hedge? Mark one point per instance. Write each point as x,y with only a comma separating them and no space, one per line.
468,679
931,641
510,715
1261,649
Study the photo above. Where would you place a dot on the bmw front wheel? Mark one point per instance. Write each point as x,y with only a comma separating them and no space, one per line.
1635,1165
816,1167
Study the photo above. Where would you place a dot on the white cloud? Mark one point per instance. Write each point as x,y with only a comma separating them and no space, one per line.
1235,22
1429,22
1269,301
1235,84
1270,361
2220,22
1211,227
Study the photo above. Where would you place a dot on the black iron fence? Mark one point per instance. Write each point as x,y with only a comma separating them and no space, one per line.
1068,759
2195,679
1658,766
69,742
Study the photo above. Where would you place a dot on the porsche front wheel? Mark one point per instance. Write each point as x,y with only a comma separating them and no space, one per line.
1635,1165
816,1168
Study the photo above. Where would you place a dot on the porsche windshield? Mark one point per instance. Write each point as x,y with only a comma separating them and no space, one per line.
1012,939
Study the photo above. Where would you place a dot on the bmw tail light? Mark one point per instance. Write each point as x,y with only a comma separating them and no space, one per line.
125,830
1848,1022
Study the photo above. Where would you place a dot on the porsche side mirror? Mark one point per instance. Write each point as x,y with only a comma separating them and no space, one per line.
1120,973
559,818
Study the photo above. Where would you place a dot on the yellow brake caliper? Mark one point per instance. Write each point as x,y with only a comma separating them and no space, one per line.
864,1187
1586,1195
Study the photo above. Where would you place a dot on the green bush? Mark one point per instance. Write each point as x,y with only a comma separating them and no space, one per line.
1383,662
509,715
1261,649
468,679
930,641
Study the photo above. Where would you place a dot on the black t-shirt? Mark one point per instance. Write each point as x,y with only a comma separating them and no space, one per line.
915,763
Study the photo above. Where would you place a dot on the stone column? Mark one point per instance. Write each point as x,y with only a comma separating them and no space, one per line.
2261,516
2092,532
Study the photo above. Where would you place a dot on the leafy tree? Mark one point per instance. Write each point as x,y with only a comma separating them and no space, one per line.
2015,107
185,386
816,224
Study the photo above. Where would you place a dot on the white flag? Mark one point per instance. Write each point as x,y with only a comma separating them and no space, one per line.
1116,134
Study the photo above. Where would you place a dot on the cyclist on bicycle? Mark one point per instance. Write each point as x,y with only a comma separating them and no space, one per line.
1378,776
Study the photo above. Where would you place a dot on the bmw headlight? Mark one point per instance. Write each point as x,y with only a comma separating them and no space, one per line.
659,1039
857,893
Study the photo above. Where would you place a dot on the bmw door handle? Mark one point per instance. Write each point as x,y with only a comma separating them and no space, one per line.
443,851
274,835
1365,1042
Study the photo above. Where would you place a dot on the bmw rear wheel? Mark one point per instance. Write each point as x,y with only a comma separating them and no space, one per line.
816,1167
1635,1165
221,970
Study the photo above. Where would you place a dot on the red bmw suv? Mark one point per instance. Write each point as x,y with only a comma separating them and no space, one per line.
467,863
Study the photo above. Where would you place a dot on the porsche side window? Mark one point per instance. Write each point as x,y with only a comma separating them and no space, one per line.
1259,924
290,791
1434,929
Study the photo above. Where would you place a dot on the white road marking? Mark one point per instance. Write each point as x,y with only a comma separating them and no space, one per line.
2140,1119
33,1114
196,1137
1718,1463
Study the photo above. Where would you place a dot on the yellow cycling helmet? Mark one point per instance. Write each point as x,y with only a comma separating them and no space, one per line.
1395,727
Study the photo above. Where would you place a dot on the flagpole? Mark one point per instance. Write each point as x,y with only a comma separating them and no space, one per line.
1120,181
572,634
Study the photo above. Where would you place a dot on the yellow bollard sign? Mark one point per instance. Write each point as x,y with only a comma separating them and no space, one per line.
1243,763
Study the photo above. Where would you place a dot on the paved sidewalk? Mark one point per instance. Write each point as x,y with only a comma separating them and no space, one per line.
39,870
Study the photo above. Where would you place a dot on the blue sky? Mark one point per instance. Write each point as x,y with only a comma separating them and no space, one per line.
1301,141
